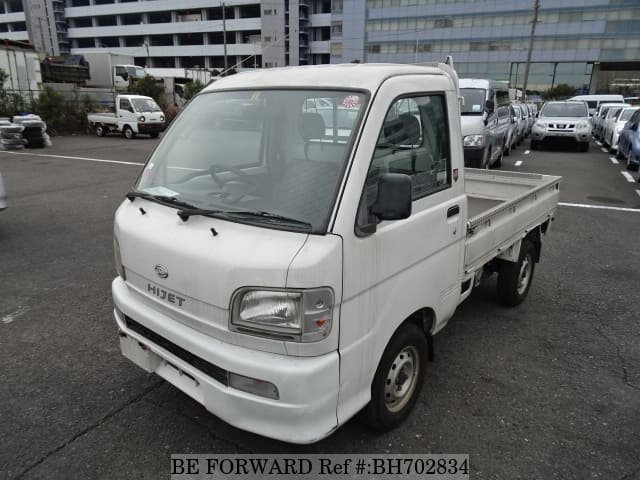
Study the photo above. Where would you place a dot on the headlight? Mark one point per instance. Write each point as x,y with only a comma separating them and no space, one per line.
141,119
474,141
162,118
541,125
618,130
294,315
118,258
582,125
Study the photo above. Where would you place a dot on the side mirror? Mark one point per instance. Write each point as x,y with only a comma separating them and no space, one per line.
394,197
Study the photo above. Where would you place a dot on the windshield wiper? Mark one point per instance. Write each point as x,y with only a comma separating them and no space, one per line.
160,199
269,216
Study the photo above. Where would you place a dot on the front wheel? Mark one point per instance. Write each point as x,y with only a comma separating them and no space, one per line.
128,132
533,145
399,378
584,147
514,279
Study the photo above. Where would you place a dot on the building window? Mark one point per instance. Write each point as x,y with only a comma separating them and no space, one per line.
270,11
336,28
443,23
373,48
337,6
336,49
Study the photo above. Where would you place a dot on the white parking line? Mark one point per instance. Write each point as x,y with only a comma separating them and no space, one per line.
604,150
518,163
598,143
599,207
614,160
628,176
527,152
74,158
638,192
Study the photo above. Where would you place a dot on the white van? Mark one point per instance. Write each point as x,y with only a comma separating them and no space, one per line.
593,101
287,268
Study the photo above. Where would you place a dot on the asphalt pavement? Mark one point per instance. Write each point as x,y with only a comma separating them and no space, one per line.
547,390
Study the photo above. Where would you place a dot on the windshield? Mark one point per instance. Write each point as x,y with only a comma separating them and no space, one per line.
136,72
275,152
562,109
145,105
626,114
473,101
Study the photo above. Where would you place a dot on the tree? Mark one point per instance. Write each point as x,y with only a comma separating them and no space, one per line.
192,88
559,92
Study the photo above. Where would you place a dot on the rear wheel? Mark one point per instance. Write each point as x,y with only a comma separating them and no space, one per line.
128,132
629,165
514,279
399,378
100,131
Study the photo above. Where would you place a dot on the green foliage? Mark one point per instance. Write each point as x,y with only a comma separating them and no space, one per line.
11,103
53,109
192,88
559,92
150,87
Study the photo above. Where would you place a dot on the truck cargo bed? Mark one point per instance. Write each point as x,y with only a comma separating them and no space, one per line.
502,208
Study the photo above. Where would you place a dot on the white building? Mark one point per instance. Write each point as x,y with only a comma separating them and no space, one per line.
177,33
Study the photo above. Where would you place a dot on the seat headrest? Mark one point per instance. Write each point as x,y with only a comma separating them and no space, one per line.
311,125
403,130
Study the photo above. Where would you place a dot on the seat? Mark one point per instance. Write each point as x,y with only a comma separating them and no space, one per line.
311,127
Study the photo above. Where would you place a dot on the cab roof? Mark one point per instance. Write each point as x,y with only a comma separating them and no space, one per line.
367,76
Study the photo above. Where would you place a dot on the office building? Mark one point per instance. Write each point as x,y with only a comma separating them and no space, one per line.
209,34
592,45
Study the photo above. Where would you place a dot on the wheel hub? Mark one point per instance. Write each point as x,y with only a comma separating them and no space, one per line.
525,274
401,379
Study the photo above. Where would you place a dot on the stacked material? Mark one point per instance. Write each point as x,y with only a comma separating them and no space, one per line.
11,136
35,130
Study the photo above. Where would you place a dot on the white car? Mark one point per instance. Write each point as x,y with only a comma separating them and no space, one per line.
565,121
608,122
599,117
613,128
3,195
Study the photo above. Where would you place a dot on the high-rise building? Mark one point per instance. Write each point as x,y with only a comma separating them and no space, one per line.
592,45
211,34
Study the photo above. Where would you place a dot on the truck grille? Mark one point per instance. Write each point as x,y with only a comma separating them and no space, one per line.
214,371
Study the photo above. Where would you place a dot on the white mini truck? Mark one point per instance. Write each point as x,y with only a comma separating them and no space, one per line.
134,114
299,235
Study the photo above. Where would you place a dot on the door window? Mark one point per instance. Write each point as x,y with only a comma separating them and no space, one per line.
414,141
125,105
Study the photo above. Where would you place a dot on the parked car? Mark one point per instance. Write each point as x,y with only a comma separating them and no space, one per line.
533,111
598,118
612,132
512,133
3,195
562,121
608,122
485,121
594,101
522,121
629,143
283,278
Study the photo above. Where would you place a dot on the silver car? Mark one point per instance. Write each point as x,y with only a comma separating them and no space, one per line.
522,121
3,195
562,121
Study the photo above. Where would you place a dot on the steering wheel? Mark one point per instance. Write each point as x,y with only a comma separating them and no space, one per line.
242,176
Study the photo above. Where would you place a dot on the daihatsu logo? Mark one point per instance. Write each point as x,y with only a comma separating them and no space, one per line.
162,271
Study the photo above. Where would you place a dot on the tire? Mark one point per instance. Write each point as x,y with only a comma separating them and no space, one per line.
533,145
100,131
398,380
498,162
584,147
629,166
486,163
514,279
128,133
507,151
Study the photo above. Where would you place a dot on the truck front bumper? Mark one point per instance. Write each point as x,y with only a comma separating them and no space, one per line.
199,365
474,157
150,127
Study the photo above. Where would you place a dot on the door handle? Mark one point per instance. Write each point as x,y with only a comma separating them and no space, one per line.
455,210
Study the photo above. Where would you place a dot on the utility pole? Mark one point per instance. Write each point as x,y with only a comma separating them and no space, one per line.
536,6
415,60
224,33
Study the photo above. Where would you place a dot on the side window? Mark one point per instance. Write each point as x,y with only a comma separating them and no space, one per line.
414,141
492,97
125,105
502,98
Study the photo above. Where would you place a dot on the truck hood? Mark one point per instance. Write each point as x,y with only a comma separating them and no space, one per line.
472,125
182,269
